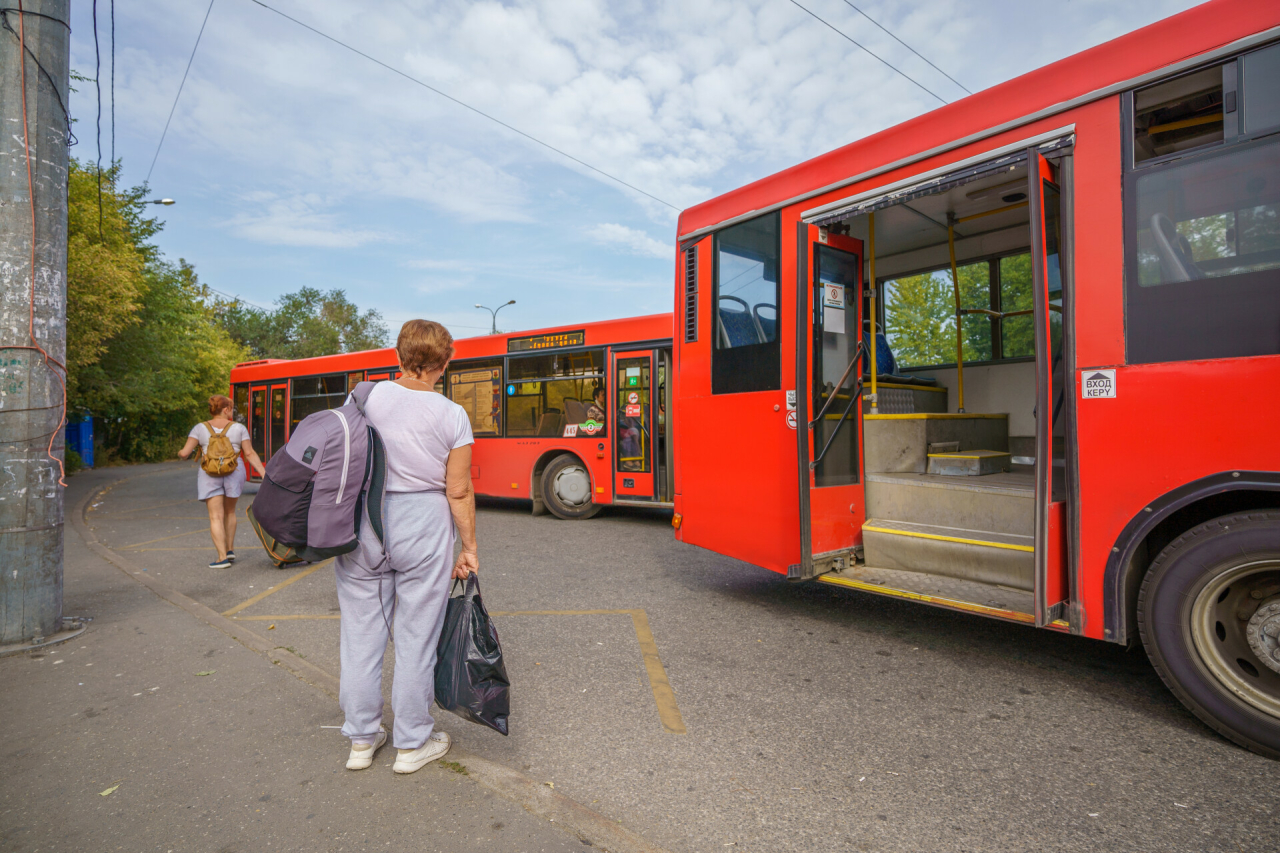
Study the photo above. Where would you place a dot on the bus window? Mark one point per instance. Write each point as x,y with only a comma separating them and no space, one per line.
315,394
920,316
552,395
258,421
240,400
1180,114
354,379
277,417
477,387
633,415
746,355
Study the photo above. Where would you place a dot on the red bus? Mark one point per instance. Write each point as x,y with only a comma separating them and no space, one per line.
540,433
1011,358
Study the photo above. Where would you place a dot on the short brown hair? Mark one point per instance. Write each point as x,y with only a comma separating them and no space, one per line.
424,345
218,403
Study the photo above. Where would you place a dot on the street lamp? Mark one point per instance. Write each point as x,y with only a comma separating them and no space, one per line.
165,201
494,313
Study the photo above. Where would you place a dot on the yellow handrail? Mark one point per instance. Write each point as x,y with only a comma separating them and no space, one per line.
871,261
955,283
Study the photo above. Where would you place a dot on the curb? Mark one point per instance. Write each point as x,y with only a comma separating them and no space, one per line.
538,798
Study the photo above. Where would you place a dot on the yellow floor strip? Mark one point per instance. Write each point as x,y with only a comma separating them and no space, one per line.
954,604
292,579
983,542
663,695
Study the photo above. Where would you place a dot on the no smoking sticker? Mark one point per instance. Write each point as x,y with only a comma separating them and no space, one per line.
791,420
1097,383
633,398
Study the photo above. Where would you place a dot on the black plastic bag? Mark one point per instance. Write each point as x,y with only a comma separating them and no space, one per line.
471,680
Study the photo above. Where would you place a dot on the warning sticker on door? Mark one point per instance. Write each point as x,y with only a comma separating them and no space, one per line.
633,398
791,420
1097,383
791,401
833,295
633,412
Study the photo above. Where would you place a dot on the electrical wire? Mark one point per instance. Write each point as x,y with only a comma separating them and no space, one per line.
31,198
113,84
179,95
899,41
97,84
465,105
885,62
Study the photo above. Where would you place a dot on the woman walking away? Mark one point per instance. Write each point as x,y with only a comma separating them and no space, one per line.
218,490
428,491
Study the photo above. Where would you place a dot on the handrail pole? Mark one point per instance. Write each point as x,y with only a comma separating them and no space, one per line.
872,346
955,283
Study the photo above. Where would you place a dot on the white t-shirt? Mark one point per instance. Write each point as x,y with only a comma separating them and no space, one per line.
235,434
418,428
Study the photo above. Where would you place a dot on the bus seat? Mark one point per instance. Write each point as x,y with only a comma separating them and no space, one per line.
550,424
737,326
574,411
885,362
768,325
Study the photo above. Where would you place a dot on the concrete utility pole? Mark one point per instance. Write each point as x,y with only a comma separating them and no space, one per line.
31,396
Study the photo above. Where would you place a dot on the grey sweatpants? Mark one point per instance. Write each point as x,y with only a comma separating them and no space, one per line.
420,534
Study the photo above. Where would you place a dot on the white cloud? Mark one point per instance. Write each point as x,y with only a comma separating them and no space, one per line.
299,221
632,240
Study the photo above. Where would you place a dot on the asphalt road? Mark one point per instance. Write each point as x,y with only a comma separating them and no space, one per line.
816,718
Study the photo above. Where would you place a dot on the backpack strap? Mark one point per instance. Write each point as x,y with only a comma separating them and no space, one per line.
360,394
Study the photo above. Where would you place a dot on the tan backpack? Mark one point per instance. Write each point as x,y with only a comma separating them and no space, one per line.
219,458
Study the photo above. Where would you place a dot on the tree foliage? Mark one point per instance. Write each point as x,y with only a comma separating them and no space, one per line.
304,324
144,349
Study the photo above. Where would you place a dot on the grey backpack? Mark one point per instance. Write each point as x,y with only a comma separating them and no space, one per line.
315,489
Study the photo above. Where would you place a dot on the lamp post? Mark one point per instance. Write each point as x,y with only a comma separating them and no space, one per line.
494,314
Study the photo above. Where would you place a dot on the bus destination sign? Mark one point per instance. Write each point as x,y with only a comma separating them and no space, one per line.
555,340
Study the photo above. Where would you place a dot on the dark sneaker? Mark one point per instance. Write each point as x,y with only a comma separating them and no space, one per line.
224,563
231,556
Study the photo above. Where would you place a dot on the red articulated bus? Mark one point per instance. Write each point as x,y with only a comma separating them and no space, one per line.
541,430
1011,357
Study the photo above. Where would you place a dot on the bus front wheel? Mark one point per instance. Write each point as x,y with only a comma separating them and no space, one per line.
1209,615
566,488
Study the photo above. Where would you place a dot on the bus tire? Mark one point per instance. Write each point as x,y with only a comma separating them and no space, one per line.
566,488
1209,616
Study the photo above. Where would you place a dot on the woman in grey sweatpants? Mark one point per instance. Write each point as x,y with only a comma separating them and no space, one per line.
403,594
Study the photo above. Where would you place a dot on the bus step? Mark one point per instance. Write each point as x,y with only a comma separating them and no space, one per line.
1005,559
969,463
1003,503
998,602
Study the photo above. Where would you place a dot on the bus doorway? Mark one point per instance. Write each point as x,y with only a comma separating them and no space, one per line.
830,369
641,437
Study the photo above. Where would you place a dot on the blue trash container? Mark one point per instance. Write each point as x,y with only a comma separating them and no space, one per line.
79,435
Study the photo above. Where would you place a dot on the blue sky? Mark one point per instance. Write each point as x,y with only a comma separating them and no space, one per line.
296,163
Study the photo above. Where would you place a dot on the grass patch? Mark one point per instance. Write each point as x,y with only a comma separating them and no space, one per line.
455,767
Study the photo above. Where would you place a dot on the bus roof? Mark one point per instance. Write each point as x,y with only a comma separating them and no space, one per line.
1054,88
645,329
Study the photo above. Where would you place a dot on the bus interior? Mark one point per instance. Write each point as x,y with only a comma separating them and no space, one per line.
949,454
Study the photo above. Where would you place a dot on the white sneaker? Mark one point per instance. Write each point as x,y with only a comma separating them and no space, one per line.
362,753
412,760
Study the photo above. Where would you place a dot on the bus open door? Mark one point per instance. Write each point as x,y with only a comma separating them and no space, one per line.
830,361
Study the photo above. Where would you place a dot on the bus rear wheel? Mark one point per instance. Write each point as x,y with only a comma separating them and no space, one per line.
566,488
1209,615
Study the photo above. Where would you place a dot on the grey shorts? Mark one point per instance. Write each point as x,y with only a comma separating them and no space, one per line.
231,485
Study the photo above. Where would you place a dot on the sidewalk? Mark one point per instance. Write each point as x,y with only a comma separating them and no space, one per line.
205,745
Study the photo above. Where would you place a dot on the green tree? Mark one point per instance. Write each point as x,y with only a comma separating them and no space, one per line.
105,263
144,350
304,324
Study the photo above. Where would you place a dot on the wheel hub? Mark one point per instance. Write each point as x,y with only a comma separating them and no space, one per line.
572,486
1263,633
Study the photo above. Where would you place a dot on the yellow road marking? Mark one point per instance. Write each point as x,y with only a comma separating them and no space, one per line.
145,508
292,579
280,618
663,696
164,539
983,542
